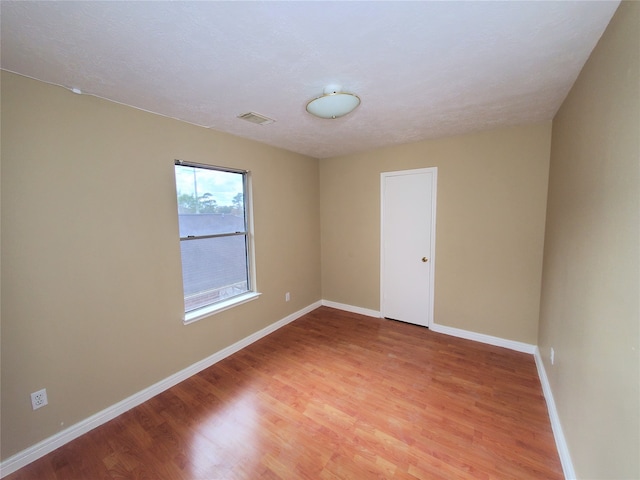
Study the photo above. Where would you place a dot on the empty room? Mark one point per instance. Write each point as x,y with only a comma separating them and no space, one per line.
320,240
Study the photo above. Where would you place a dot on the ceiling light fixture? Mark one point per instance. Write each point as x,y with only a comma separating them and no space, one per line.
333,103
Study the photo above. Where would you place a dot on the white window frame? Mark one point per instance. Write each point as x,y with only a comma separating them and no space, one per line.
252,293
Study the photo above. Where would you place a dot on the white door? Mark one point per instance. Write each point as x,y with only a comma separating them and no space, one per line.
408,245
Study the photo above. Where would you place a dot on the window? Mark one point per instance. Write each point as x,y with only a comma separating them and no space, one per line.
215,240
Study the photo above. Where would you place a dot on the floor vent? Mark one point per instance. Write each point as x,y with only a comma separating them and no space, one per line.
256,118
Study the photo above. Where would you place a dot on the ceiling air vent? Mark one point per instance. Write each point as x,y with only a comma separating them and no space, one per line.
256,118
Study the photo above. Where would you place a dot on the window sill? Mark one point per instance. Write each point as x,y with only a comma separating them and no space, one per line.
210,310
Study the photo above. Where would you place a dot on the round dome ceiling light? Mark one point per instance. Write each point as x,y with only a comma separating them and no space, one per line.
333,103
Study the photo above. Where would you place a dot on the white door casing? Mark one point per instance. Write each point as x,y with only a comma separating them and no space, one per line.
407,239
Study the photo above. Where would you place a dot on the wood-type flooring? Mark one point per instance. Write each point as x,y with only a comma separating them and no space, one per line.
332,395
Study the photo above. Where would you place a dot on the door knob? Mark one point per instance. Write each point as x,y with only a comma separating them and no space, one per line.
425,259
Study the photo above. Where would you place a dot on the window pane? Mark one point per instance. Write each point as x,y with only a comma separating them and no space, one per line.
209,223
213,269
209,201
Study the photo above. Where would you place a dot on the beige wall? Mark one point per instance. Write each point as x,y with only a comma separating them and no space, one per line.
491,204
91,282
589,310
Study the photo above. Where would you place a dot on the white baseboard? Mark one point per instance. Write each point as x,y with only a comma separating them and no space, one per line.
561,442
455,332
482,338
48,445
351,308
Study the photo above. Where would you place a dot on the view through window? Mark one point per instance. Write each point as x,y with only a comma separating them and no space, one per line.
212,216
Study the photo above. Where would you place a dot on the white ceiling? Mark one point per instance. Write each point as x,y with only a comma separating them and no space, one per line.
422,69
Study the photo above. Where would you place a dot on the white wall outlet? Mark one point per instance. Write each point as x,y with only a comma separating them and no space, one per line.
287,297
39,399
552,355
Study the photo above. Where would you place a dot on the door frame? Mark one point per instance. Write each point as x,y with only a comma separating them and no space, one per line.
431,253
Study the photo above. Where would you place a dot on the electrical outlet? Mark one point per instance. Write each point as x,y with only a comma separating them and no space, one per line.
287,297
552,355
39,399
